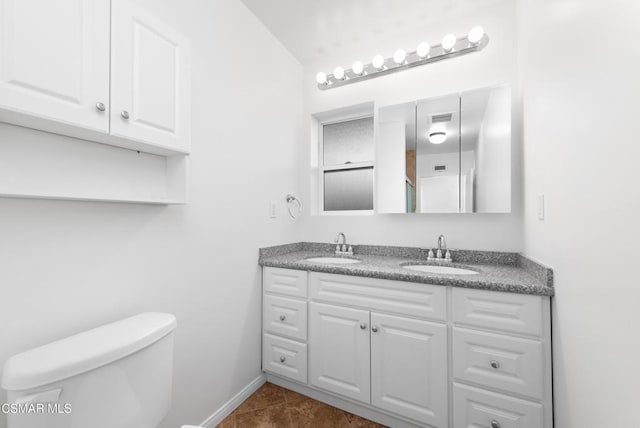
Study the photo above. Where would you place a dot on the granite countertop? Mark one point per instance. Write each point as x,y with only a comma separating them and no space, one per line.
497,271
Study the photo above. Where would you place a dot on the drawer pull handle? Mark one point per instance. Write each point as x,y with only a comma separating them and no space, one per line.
495,365
283,359
363,326
283,317
100,106
495,424
124,114
374,329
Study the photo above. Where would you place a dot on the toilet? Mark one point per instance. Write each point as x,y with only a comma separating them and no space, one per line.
118,375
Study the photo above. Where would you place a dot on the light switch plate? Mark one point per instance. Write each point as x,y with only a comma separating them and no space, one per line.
272,209
540,207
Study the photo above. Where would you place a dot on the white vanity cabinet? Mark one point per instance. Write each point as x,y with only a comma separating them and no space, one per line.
340,361
409,368
99,70
284,323
501,361
410,354
394,363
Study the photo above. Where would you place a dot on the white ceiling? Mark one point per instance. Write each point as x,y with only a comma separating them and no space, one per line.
311,29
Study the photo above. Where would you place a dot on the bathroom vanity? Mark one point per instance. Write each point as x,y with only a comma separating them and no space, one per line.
410,348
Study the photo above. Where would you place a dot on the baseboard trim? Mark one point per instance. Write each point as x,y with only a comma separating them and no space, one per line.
228,407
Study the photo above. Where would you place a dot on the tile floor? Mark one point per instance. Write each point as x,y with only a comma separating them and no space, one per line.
274,407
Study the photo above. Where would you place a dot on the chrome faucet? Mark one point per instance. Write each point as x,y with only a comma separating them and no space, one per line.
442,244
343,249
442,254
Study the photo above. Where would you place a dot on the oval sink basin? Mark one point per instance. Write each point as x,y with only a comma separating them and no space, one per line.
333,260
447,270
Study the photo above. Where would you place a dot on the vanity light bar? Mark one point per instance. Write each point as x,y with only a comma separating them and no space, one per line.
450,47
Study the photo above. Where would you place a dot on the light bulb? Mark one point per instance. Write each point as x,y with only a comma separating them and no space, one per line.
475,35
399,56
338,73
378,62
438,137
448,42
321,78
423,49
358,68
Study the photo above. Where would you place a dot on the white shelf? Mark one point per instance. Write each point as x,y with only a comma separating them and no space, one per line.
93,199
40,165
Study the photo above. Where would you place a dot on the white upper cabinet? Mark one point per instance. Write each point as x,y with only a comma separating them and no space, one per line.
150,82
98,70
54,62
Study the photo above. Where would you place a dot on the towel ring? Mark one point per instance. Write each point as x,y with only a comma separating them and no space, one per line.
293,202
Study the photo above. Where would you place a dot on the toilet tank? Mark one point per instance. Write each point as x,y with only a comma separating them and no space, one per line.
118,375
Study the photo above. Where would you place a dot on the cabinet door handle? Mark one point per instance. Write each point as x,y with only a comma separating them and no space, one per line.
495,364
374,329
495,424
100,106
283,359
283,317
363,326
125,115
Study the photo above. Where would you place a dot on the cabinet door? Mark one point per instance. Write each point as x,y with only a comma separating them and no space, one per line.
339,350
54,62
150,79
409,368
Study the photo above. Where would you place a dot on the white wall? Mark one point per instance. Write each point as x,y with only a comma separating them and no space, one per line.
581,68
494,65
69,266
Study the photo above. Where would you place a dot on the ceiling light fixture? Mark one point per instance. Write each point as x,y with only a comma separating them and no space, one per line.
399,56
475,35
450,46
437,137
321,78
449,42
358,68
423,49
378,62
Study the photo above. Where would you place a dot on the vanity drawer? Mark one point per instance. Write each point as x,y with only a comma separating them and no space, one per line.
519,313
475,407
284,316
284,357
407,298
285,281
512,364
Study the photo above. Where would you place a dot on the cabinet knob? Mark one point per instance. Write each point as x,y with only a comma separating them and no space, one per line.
495,364
374,329
283,317
100,106
363,326
283,359
125,115
495,424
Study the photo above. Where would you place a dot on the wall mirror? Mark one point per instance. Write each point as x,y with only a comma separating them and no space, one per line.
450,154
